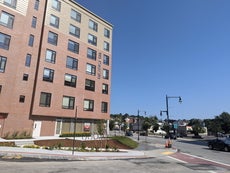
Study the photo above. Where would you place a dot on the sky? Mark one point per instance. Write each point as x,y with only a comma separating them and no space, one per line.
168,47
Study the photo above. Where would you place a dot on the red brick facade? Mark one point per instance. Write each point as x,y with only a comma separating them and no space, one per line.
22,107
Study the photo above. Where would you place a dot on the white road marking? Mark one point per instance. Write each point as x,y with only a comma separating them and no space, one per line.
177,159
207,159
212,171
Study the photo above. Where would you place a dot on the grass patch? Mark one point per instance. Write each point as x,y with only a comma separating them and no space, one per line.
126,141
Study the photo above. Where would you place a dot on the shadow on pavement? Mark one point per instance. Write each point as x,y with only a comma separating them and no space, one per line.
201,142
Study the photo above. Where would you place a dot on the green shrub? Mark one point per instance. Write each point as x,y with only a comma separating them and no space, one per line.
24,135
107,147
78,134
83,146
6,135
17,135
31,146
7,144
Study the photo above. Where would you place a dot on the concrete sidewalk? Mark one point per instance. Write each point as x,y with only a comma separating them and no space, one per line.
18,153
143,151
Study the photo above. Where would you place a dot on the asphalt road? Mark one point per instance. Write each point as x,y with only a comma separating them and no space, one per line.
192,158
196,147
148,165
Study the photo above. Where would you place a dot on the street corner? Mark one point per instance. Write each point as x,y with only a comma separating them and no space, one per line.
169,151
199,162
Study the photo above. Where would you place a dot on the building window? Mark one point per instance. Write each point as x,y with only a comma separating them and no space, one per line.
54,21
92,25
75,15
21,99
48,75
89,85
106,46
71,63
92,54
45,99
4,41
70,80
31,40
106,59
105,88
56,4
28,60
105,74
11,3
104,107
106,33
0,88
92,39
68,102
52,38
7,20
91,69
25,77
75,31
50,56
2,64
36,4
73,46
88,105
34,22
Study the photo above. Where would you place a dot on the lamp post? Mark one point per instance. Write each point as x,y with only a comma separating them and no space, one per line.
167,109
74,130
161,114
138,123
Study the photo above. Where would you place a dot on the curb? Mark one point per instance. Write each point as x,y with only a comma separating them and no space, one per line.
20,153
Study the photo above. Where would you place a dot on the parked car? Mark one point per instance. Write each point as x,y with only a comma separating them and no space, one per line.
171,136
129,133
219,144
143,133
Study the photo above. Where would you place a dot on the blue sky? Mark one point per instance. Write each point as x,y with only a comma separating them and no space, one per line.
169,47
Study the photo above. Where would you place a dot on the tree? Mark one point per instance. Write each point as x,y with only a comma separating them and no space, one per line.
166,127
154,123
148,122
111,124
101,127
213,126
225,122
146,125
197,126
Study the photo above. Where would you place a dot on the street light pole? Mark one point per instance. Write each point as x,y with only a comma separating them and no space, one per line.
138,124
74,130
167,109
161,112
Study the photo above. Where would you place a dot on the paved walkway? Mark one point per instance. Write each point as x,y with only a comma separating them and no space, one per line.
143,151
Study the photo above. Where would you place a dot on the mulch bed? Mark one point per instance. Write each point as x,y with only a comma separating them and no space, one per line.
78,143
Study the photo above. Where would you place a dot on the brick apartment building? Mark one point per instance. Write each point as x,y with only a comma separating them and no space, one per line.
55,66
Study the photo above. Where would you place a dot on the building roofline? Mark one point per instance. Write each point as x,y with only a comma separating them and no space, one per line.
74,1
